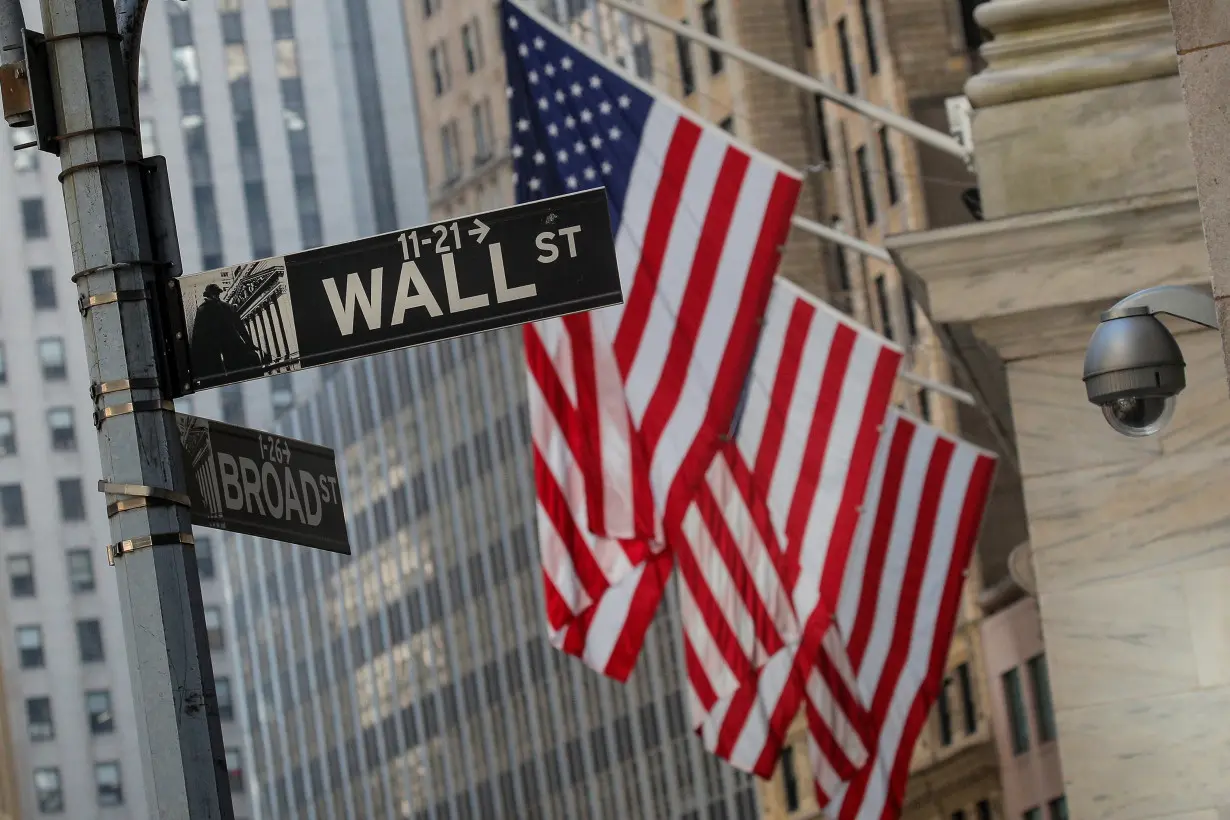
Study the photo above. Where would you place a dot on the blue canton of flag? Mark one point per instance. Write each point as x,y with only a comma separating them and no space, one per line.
575,123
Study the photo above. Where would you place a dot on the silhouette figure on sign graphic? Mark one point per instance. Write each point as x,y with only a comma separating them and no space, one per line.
220,341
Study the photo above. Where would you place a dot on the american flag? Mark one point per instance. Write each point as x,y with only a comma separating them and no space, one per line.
899,593
629,404
779,508
789,526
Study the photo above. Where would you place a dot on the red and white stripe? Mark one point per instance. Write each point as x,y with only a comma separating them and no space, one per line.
629,403
901,586
776,504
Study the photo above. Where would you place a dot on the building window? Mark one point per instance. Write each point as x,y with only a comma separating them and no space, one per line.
30,646
90,641
472,42
39,723
48,790
107,779
864,181
8,435
1017,719
232,405
942,709
184,67
234,765
51,358
43,288
869,33
841,264
21,576
450,145
959,814
1033,814
924,405
484,140
965,683
712,27
687,73
440,75
1058,808
822,128
149,138
283,23
984,810
24,159
1040,683
213,627
4,367
727,125
80,571
98,707
33,218
890,167
805,18
63,431
847,56
790,781
204,550
911,317
72,499
232,27
886,314
282,393
642,58
226,703
430,6
12,506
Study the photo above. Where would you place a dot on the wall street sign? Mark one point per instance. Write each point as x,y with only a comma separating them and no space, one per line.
263,484
477,273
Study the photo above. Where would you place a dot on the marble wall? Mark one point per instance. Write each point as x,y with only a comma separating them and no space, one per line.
1131,544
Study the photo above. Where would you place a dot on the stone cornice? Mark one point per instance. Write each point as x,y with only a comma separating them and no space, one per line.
1017,277
1043,48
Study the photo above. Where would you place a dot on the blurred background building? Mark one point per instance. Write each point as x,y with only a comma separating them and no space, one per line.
259,166
414,679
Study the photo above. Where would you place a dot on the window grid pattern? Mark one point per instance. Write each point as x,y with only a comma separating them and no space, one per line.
196,143
417,676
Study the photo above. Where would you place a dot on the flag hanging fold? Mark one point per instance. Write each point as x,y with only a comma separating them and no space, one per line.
778,509
900,590
629,403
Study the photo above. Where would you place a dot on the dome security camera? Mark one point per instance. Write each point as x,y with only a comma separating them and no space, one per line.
1134,368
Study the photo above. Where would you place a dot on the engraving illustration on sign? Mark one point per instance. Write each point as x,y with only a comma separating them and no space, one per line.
498,269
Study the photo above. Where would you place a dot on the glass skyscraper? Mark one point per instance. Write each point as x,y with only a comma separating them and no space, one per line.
414,679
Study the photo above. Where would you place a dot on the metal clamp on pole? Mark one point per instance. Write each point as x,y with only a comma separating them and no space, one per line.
85,303
97,391
165,539
136,496
136,263
147,406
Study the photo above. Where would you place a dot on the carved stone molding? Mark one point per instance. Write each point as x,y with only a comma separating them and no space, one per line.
1042,48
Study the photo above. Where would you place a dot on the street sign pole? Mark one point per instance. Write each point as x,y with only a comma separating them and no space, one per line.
182,755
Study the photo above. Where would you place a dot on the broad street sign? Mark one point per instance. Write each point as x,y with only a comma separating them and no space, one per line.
261,484
502,268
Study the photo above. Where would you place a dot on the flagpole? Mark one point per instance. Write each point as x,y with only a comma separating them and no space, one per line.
915,130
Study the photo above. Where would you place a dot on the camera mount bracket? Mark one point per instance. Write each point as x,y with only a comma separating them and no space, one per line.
1183,302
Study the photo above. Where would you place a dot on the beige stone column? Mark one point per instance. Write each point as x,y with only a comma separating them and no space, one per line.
1089,191
1202,39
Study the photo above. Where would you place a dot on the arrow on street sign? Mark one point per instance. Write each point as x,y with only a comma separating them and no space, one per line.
479,230
515,265
261,484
